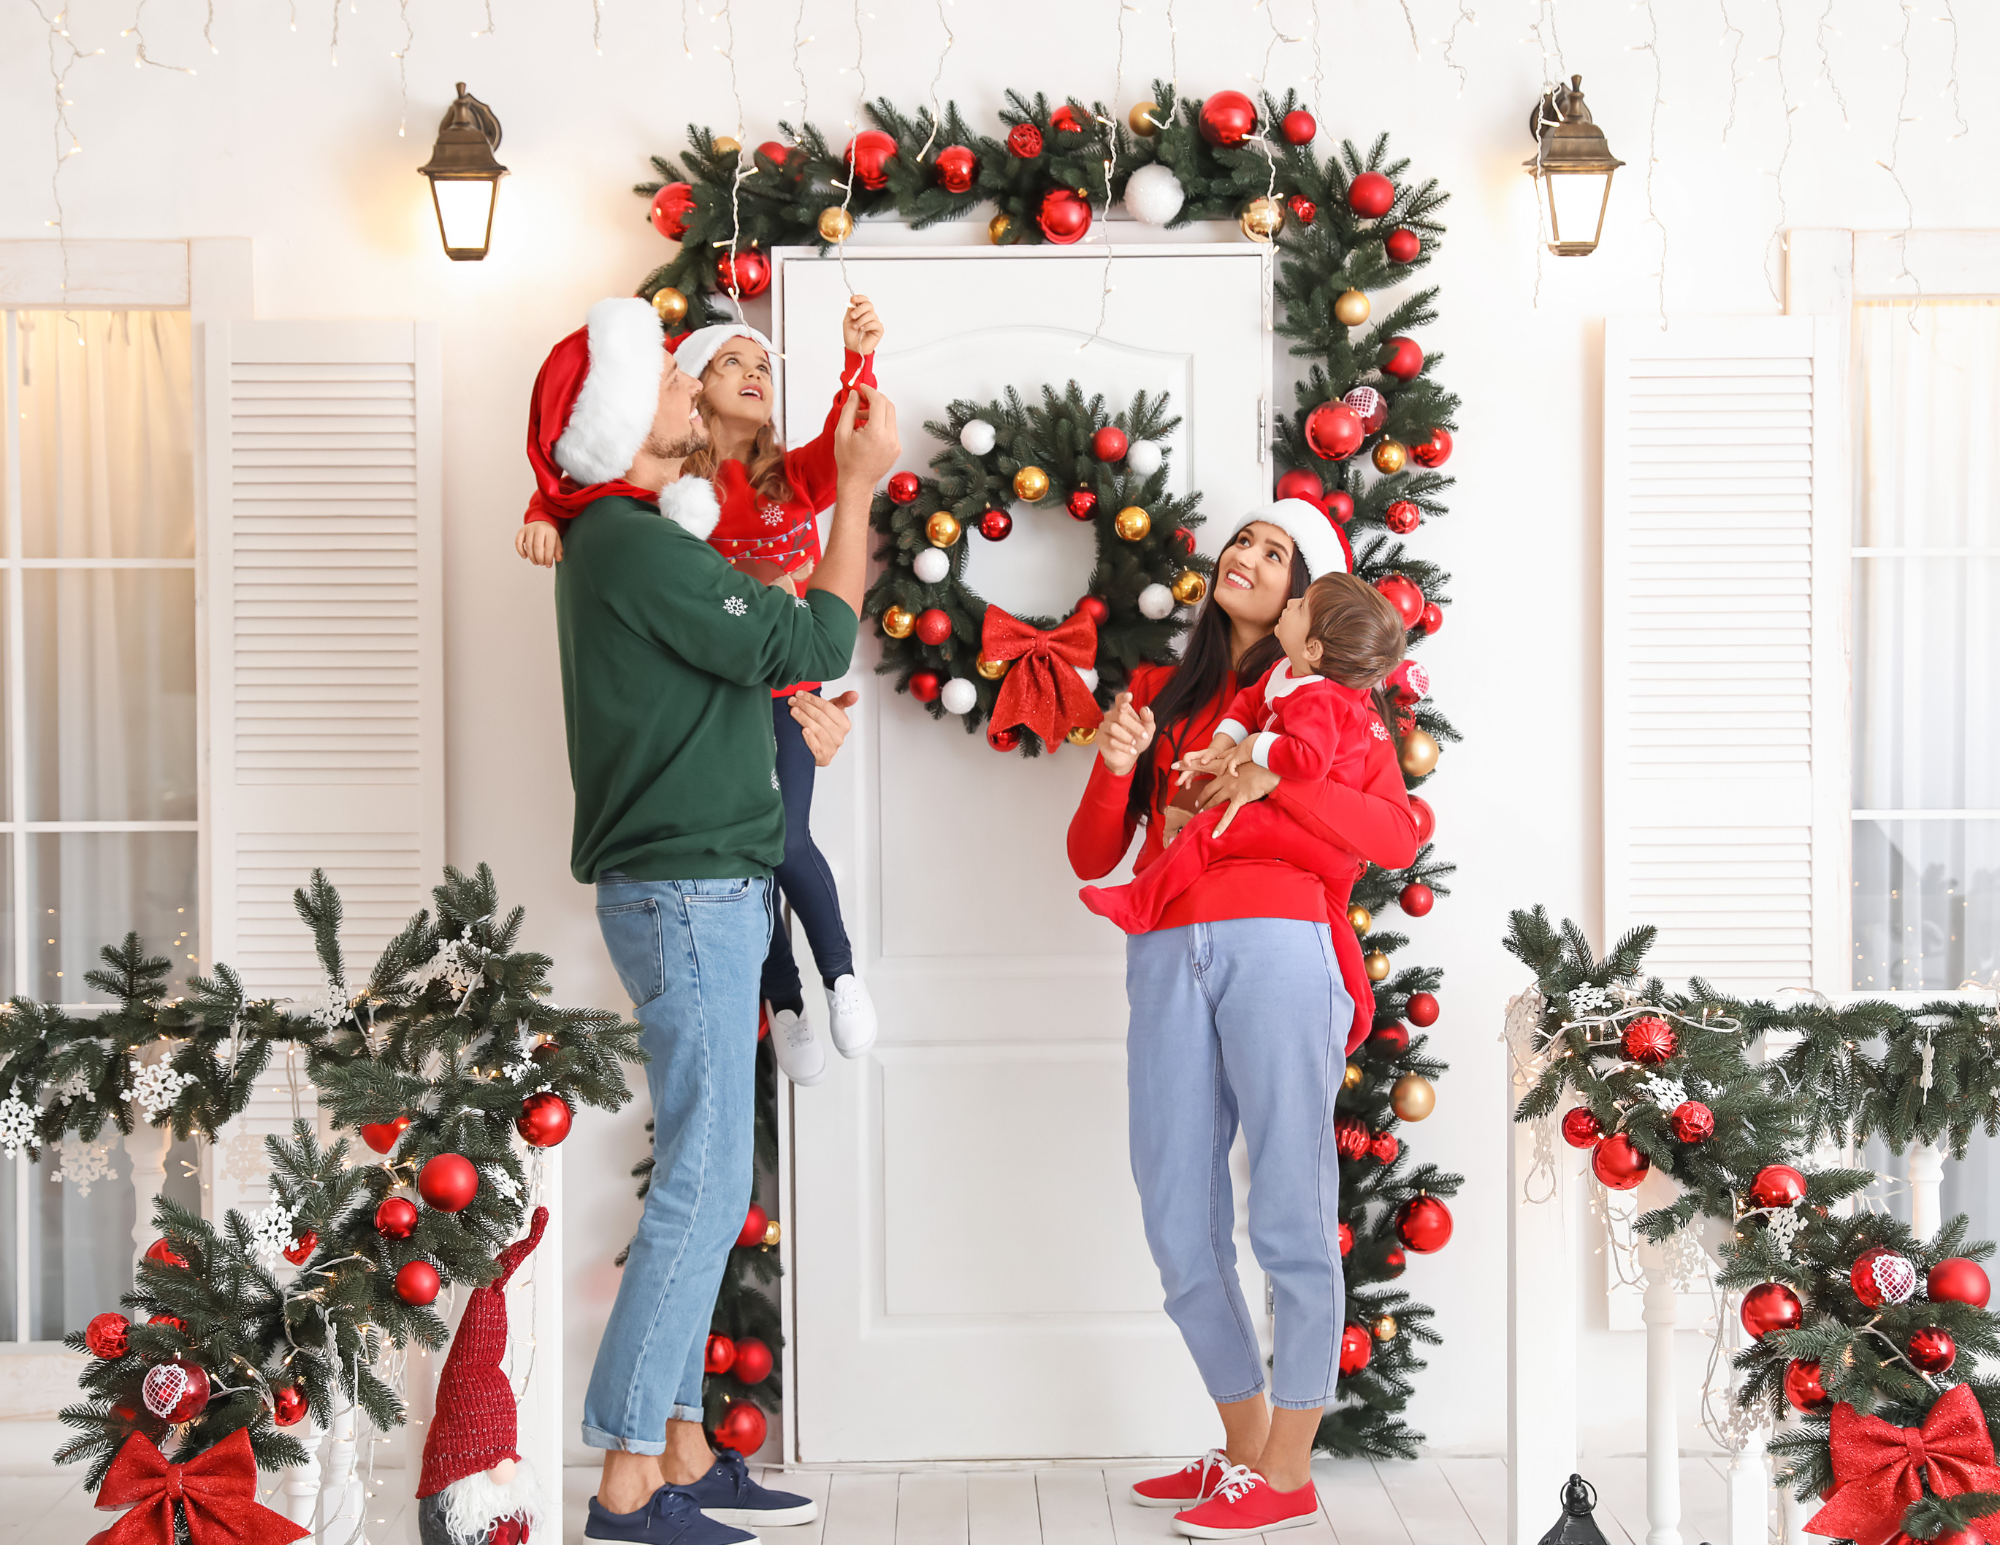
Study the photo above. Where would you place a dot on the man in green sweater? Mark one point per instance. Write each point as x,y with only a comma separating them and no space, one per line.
668,659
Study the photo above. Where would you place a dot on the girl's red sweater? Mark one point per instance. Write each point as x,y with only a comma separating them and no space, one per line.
1342,826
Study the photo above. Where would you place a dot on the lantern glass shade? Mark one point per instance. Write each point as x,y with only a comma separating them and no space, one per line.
465,179
465,215
1572,167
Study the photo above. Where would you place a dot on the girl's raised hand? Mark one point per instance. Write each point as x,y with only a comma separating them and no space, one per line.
1125,733
860,329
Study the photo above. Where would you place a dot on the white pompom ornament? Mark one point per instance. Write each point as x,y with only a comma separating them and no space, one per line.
1088,677
1156,602
931,565
959,696
1144,457
1154,195
977,436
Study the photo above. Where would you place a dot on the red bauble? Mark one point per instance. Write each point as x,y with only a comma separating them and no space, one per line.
1404,596
1094,607
1777,1185
1417,899
870,153
1390,1041
1693,1122
1402,245
1110,443
742,1427
1880,1276
1024,140
1433,451
1432,619
1402,517
1394,1261
1333,431
1065,121
1932,1350
1064,218
1003,739
1773,1306
301,1247
1303,209
1302,484
671,207
956,169
382,1135
1228,118
933,626
1424,1224
1370,195
169,1321
1184,539
1346,1239
1649,1039
1351,1136
753,1361
1385,1147
545,1051
904,487
774,151
1958,1281
1370,404
1081,504
106,1336
1803,1389
544,1120
995,525
755,1222
418,1283
161,1253
1581,1128
288,1406
1423,1009
925,686
176,1391
1298,127
1340,506
1356,1347
448,1182
719,1356
396,1218
1401,359
1427,821
747,273
1618,1164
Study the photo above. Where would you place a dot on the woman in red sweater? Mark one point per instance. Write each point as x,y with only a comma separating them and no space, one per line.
1245,1000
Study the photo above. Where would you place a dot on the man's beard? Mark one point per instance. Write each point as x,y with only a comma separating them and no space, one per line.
674,450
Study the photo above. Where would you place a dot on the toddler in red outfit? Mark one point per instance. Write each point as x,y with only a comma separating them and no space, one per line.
1310,717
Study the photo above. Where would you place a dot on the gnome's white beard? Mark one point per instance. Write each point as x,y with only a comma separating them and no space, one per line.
475,1504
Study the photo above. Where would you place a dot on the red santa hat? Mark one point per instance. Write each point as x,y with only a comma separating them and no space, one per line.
697,350
1315,537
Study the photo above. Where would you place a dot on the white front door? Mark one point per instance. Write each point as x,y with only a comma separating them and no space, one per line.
968,1274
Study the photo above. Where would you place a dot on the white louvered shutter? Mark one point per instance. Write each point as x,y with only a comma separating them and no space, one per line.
325,656
1725,679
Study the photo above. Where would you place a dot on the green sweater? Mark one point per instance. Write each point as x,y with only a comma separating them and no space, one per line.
668,660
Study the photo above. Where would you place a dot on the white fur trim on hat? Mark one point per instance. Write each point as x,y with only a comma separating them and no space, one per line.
475,1504
700,347
691,502
1312,534
620,395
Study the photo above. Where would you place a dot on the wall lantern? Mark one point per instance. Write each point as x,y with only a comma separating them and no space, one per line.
1575,165
465,179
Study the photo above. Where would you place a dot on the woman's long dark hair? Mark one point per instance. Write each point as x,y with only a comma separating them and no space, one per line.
1203,672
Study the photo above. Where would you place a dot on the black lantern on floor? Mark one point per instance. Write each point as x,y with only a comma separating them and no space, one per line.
1576,1526
1573,164
465,179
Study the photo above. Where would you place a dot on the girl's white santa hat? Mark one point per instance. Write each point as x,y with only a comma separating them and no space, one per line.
1315,538
697,351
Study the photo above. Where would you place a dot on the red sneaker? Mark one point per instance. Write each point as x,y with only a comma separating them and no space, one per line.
1244,1503
1186,1487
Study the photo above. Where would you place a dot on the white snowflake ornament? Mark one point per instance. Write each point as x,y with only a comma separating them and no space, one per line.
17,1126
271,1232
82,1164
155,1088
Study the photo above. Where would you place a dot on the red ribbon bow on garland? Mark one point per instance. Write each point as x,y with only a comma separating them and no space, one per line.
216,1490
1043,691
1879,1469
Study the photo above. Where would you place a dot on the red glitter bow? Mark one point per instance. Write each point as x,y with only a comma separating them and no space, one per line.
1879,1469
1043,690
216,1491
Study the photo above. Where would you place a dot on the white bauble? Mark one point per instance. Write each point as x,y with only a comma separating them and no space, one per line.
931,565
977,436
1144,457
1154,195
959,696
1156,601
1088,676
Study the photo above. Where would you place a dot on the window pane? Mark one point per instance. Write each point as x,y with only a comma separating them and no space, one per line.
1926,904
1926,463
89,889
107,461
110,694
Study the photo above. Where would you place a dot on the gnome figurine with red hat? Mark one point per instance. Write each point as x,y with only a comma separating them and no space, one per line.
475,1489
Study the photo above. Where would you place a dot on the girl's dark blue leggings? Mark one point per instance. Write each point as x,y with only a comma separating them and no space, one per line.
803,877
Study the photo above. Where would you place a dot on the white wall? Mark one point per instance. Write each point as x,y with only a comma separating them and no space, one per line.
270,142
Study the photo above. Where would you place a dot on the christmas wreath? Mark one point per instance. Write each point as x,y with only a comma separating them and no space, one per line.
1035,680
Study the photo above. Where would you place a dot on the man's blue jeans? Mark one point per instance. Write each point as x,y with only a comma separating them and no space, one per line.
689,953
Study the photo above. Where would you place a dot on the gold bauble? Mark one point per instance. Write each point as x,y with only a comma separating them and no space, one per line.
1420,753
996,229
1377,964
898,621
727,145
942,529
1385,1328
1144,119
1413,1098
1390,456
992,670
1189,587
773,1232
835,223
1351,1079
1082,735
1359,918
1351,309
1133,523
669,305
1262,218
1030,483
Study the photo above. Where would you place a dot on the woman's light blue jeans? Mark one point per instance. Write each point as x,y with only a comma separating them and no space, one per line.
1242,1020
689,953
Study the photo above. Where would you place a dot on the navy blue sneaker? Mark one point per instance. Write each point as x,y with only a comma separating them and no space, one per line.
728,1495
670,1517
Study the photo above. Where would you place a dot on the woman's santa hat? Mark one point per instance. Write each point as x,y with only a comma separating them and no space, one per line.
1315,538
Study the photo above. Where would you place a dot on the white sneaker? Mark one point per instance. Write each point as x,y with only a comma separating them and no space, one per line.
801,1053
853,1015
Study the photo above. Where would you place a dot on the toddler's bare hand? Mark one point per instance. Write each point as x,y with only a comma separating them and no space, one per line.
539,543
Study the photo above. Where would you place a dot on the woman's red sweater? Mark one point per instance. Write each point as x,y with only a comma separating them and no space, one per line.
1342,826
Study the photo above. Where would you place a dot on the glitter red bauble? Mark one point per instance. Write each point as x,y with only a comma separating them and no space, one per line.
956,169
1351,1136
289,1406
1581,1128
418,1283
1880,1276
1110,443
1370,404
774,151
1931,1349
1402,245
1346,1239
1394,1261
1417,899
1424,1224
1081,504
755,1222
1063,217
1356,1347
544,1119
1433,451
719,1356
448,1182
301,1247
1402,517
1618,1164
1649,1039
1095,608
396,1218
106,1334
1303,209
1432,619
1401,359
747,273
1402,594
1427,821
1302,484
1333,431
1803,1389
742,1427
870,153
996,525
1772,1306
1299,127
904,487
176,1391
1370,195
1024,140
1391,1041
671,207
1958,1281
162,1254
1423,1010
1692,1121
1777,1185
382,1135
1385,1147
1340,506
753,1361
1228,118
933,626
925,686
